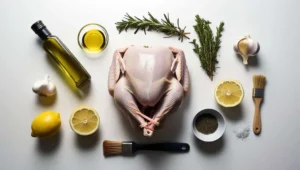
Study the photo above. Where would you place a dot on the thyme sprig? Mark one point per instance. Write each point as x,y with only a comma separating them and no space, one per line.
152,24
209,45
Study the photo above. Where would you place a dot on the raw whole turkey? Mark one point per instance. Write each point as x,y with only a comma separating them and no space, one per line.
147,82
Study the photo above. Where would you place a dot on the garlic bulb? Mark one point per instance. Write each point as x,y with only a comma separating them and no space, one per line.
44,87
246,47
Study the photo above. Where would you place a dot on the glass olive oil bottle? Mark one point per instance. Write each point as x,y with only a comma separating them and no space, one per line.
61,55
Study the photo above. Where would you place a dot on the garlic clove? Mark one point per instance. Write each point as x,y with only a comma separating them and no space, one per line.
36,86
51,88
44,87
246,47
254,47
243,46
235,48
258,48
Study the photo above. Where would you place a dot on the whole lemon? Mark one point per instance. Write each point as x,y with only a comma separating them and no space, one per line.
45,124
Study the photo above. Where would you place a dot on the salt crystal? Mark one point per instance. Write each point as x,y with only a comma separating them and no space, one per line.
242,133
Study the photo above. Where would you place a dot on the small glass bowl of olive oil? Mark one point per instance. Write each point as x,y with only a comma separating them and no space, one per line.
93,38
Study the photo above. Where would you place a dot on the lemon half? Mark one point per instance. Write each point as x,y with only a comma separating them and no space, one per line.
229,93
84,120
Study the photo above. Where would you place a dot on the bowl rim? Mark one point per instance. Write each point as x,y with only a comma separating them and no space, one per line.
207,110
90,25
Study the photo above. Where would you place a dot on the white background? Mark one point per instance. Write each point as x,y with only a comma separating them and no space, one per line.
274,23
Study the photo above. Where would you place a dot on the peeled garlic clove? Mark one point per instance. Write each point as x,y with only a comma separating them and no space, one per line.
246,47
44,87
243,47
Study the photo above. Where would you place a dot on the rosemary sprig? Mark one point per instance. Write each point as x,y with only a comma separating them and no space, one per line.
152,24
210,45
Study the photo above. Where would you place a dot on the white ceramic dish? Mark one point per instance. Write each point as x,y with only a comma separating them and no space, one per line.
218,133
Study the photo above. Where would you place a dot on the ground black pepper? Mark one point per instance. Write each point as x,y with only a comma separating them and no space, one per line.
206,123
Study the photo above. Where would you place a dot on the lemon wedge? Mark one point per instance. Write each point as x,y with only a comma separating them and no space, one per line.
229,93
84,120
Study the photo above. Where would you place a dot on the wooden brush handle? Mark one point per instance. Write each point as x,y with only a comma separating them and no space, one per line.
257,119
168,147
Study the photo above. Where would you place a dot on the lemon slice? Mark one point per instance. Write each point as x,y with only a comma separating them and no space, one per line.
229,93
84,121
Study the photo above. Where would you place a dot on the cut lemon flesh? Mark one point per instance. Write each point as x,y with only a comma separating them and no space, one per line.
84,121
229,93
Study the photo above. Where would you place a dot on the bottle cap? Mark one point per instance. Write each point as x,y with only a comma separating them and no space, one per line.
40,29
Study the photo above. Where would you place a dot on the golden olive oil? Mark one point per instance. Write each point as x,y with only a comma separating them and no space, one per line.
62,55
94,41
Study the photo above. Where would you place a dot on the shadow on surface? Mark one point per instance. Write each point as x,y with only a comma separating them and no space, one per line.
252,61
46,100
233,113
49,145
39,42
88,142
157,159
209,147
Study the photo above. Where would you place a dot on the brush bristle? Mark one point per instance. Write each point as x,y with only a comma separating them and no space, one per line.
111,148
259,81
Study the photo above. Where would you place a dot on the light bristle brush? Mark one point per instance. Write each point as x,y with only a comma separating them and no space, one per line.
111,148
259,82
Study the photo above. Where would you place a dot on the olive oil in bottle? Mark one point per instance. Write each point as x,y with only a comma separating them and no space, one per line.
61,55
93,40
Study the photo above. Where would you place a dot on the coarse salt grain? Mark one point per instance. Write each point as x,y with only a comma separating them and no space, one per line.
242,133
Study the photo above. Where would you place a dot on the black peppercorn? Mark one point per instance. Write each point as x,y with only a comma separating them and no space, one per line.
206,124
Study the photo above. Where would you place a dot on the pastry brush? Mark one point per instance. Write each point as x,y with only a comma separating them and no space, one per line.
259,82
111,148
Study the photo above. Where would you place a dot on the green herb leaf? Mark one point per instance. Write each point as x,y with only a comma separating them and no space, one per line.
152,24
209,46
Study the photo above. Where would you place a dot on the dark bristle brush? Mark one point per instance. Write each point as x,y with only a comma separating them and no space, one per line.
111,148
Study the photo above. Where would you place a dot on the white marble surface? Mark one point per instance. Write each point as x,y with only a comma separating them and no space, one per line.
274,23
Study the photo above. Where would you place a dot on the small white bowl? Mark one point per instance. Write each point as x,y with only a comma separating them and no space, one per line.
218,133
